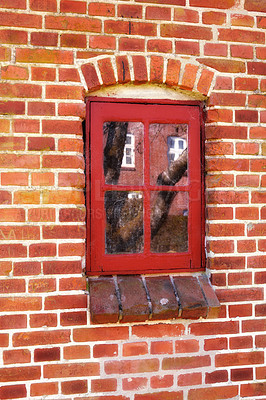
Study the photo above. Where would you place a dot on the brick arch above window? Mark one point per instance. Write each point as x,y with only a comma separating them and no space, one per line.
173,72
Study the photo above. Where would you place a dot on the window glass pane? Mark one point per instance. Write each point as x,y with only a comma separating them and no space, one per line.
168,154
169,222
123,153
124,222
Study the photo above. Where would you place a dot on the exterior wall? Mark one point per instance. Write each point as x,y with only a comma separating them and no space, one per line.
55,52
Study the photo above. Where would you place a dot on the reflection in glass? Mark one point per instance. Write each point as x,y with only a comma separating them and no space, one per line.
170,235
123,153
168,154
124,222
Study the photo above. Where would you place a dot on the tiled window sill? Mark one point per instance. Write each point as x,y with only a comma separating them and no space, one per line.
136,298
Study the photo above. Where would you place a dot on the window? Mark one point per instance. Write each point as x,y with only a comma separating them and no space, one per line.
144,176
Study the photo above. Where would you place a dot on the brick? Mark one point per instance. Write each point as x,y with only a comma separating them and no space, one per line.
10,107
260,341
158,13
44,56
131,366
140,69
247,180
256,68
235,295
72,214
63,197
186,31
130,11
42,285
186,47
41,214
13,392
14,179
73,40
216,376
255,5
246,84
13,250
42,179
5,268
256,261
50,354
44,39
213,393
223,83
65,302
63,161
161,288
242,20
64,232
227,197
253,325
162,347
131,44
187,346
82,24
21,90
70,6
134,307
69,75
64,92
243,310
102,42
246,246
44,388
20,20
222,164
102,9
215,344
40,338
240,358
103,385
213,18
26,197
95,334
71,370
215,49
173,70
221,246
70,110
42,74
135,383
253,389
47,5
189,77
190,379
135,349
241,51
216,4
185,362
156,69
5,54
219,180
260,310
13,72
13,322
26,268
192,301
90,76
160,395
20,374
257,132
214,328
26,126
41,108
9,286
261,54
72,283
219,148
242,342
76,352
107,71
159,45
186,15
14,4
42,320
104,306
246,116
240,35
228,99
73,318
105,350
20,303
5,197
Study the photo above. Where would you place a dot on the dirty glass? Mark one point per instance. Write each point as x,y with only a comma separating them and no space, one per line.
168,147
171,234
124,222
123,153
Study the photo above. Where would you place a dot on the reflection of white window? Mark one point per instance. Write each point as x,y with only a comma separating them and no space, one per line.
134,195
129,151
176,146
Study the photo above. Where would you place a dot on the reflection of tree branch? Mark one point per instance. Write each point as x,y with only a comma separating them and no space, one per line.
122,234
114,151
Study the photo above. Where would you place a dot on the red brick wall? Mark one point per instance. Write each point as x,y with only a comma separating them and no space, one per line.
49,52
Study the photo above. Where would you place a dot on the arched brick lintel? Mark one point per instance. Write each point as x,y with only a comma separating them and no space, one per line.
138,69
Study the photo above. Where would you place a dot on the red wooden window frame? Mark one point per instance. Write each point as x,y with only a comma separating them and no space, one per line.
100,110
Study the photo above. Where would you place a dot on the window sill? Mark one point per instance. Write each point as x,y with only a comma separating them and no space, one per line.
135,298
